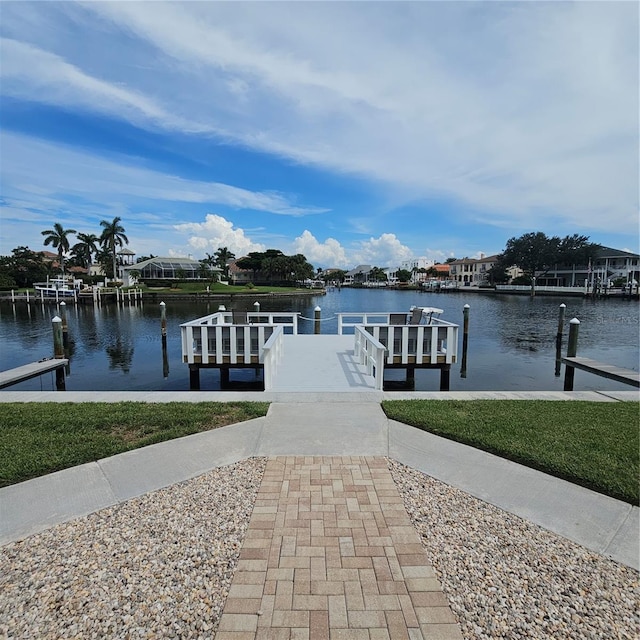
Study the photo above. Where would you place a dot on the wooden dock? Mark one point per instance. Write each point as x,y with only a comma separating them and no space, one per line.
33,370
626,376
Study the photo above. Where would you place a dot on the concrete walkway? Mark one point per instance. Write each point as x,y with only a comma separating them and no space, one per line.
315,424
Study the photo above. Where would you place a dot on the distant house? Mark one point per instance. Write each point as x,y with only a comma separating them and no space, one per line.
237,275
472,271
608,265
164,269
359,275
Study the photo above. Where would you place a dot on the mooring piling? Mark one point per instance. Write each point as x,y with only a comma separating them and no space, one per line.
58,345
65,327
316,320
572,351
465,340
559,338
163,323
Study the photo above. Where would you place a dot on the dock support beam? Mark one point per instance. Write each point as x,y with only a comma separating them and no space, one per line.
445,377
194,377
411,378
60,381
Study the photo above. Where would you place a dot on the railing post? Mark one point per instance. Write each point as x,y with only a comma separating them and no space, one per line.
572,350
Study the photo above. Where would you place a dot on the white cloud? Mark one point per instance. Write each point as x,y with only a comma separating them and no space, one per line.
508,108
329,253
216,232
385,251
62,170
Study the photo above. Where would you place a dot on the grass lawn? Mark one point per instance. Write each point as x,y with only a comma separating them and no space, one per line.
594,444
38,438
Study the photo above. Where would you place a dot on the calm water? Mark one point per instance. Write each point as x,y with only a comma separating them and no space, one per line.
511,339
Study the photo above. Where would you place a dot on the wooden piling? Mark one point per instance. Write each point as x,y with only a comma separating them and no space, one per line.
65,327
445,377
572,351
13,296
194,377
58,345
163,323
533,286
316,320
465,340
559,338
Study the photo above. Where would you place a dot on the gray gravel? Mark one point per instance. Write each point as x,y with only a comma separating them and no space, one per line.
508,578
160,566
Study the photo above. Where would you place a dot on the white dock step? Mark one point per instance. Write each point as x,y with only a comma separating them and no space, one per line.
320,363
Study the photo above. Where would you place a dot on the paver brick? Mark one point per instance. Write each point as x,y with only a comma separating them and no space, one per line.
330,554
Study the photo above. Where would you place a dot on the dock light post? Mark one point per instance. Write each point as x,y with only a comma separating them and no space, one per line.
563,306
316,320
572,350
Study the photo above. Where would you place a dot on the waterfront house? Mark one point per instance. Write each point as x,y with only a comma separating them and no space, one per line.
608,265
472,272
166,269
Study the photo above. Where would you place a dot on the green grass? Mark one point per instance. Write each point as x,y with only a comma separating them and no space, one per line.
38,438
594,444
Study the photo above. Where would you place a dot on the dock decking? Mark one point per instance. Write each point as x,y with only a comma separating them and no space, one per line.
626,376
320,363
31,370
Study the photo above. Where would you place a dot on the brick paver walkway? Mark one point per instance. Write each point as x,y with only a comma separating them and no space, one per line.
330,554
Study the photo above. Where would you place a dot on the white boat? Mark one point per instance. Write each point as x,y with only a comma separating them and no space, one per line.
59,286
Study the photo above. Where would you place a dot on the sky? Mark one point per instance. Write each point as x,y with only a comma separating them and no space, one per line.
352,132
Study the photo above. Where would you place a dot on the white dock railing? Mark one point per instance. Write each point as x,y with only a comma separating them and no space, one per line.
272,354
370,353
214,339
433,343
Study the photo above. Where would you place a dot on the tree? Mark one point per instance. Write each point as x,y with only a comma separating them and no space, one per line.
85,249
403,275
221,259
113,237
23,267
497,274
448,260
58,239
377,274
535,253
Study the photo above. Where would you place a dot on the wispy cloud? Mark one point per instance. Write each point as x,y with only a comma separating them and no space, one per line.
82,174
517,115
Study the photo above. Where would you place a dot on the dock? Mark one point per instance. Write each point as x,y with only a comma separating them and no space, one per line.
33,370
612,372
320,363
352,360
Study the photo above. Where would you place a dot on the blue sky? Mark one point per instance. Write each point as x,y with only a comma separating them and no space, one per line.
352,132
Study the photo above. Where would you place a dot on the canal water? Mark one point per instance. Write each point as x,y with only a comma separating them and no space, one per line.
511,339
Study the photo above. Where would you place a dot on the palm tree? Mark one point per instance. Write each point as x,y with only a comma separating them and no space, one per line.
222,257
86,248
57,238
113,237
